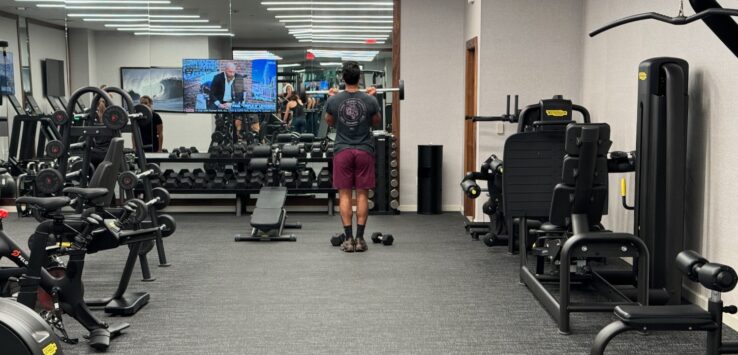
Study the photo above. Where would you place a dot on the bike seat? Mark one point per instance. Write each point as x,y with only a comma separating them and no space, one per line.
44,203
87,193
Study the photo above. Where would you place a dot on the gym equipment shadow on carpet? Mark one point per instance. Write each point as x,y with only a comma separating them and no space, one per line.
435,291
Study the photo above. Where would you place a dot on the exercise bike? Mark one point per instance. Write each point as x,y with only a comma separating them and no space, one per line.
61,287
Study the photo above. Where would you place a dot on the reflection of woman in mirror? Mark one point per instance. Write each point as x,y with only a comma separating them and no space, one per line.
152,133
294,113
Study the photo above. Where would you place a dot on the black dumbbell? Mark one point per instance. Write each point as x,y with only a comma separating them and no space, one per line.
306,178
324,178
338,239
385,239
193,150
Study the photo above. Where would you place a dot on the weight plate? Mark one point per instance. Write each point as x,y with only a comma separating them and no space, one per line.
54,149
127,180
170,226
402,89
60,118
140,210
163,195
146,114
115,117
156,169
49,181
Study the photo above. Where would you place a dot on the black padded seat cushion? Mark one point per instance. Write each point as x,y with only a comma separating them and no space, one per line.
86,193
639,316
266,218
271,197
552,228
44,203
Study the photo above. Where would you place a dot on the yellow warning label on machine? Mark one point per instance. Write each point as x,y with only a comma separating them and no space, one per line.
642,75
557,113
50,349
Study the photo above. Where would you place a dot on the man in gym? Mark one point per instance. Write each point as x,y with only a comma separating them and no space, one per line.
353,113
226,88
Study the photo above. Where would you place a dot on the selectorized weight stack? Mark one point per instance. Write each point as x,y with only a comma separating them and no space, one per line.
660,168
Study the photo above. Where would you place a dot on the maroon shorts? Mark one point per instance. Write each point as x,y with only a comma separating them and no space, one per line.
353,168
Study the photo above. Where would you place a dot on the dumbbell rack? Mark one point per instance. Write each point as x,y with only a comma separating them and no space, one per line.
242,194
384,198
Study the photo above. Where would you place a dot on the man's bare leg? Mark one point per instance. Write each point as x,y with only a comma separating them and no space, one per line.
362,214
347,214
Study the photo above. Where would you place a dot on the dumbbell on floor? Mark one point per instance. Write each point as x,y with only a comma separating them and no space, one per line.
385,239
338,239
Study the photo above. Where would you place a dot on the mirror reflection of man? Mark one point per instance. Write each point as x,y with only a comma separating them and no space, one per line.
227,88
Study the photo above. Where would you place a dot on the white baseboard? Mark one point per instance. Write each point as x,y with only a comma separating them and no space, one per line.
445,208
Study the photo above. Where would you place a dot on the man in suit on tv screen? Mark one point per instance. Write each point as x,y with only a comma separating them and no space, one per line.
226,88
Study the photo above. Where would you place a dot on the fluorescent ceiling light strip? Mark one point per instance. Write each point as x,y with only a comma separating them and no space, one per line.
331,64
212,34
132,15
334,17
319,30
341,27
144,20
121,25
173,29
312,3
336,21
288,65
98,2
337,41
318,9
103,7
344,37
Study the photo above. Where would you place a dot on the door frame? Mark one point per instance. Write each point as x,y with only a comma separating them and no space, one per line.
471,78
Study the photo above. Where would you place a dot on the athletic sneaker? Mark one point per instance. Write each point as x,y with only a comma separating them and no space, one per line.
361,245
348,245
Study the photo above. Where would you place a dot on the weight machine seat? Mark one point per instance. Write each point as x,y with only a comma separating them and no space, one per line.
266,219
551,228
86,193
106,174
271,197
44,203
654,316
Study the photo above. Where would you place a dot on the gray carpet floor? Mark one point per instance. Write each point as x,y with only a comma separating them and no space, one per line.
436,291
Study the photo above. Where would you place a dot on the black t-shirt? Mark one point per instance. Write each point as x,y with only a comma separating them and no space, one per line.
353,112
149,134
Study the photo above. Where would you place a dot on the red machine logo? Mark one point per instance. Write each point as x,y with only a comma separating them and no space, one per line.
16,253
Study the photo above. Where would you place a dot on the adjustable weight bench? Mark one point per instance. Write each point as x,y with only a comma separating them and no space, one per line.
269,218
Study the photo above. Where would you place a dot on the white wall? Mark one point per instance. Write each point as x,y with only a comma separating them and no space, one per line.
9,33
609,91
111,50
45,43
432,61
532,48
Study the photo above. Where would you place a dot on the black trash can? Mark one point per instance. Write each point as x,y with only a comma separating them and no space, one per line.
430,179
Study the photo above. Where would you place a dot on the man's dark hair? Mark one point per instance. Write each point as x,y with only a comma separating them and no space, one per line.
351,73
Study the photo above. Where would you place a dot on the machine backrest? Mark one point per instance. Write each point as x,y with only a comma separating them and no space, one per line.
532,167
107,171
584,181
